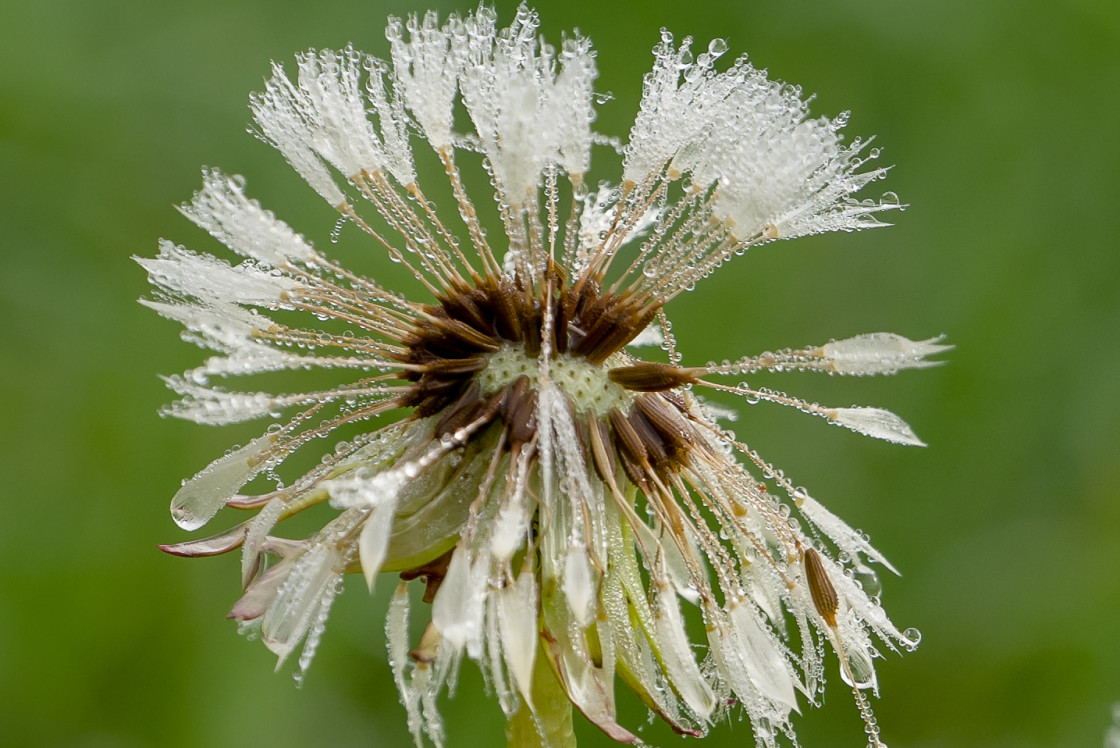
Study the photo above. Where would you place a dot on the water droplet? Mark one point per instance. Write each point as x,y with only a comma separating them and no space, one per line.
337,230
869,581
717,47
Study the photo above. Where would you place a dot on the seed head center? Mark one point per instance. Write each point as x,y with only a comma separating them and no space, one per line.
586,384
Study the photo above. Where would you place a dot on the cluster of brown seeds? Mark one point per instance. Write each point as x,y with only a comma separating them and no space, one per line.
453,341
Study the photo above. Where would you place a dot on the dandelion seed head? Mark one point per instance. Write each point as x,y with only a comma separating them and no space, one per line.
567,504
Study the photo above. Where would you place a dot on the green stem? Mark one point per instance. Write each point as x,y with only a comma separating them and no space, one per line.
553,712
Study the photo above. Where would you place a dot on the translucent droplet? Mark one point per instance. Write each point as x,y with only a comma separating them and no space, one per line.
337,230
869,581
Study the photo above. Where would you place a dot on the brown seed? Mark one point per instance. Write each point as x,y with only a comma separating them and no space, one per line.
463,303
460,336
823,593
631,451
532,321
461,412
455,367
522,420
637,473
582,297
505,309
430,395
560,332
655,446
512,396
605,462
675,431
614,322
651,376
626,439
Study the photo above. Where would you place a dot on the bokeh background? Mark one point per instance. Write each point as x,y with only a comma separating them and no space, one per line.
1003,121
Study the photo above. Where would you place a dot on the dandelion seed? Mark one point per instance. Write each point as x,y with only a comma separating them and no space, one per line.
559,496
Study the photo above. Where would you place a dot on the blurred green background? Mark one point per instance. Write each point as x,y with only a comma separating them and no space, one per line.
1002,119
